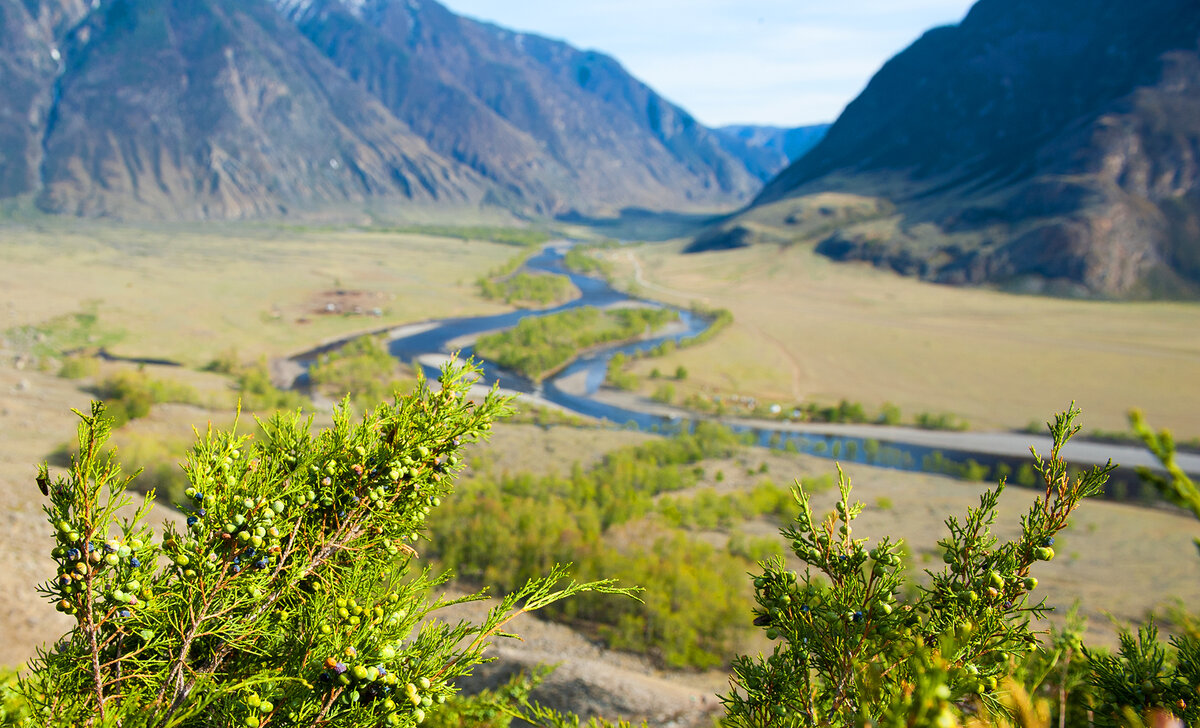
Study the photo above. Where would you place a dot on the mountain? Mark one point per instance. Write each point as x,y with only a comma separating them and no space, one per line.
227,109
1043,144
767,150
202,109
556,127
29,61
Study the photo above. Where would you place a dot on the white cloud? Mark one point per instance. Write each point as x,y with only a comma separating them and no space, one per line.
785,62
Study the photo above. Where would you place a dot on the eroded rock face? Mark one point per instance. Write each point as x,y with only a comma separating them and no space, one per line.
1055,140
227,109
218,109
559,128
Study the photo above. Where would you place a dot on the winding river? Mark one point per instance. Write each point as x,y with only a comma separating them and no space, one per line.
577,388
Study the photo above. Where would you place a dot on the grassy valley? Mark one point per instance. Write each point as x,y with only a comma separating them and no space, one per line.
806,329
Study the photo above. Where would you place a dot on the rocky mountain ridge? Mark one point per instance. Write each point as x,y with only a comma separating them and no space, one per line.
216,109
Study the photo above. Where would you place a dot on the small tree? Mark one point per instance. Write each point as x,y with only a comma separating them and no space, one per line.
291,598
854,650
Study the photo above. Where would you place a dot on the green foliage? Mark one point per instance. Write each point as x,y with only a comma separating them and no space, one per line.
615,374
580,259
258,394
79,366
889,414
362,369
1146,677
527,289
256,391
1059,669
707,509
857,646
539,346
1175,485
504,527
1141,677
691,618
14,708
718,319
488,708
939,421
128,395
665,393
293,595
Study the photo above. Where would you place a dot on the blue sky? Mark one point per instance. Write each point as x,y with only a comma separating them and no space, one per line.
781,62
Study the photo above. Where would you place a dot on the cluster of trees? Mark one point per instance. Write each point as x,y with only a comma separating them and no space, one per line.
362,369
580,260
527,237
538,346
500,529
256,391
528,289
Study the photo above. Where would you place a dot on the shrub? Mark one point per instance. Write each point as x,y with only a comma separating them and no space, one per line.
854,649
79,366
291,598
129,395
362,369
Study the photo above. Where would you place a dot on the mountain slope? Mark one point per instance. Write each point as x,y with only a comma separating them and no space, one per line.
29,37
200,109
220,109
1052,143
560,128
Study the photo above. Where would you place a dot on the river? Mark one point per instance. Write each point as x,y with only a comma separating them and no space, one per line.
577,388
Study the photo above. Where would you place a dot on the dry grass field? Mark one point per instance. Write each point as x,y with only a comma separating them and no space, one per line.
807,329
189,293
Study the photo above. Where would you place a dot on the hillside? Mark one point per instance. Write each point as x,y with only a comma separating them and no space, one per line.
556,127
1047,146
216,109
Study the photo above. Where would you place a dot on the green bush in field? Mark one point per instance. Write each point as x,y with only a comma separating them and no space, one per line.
939,421
78,366
362,369
293,596
580,260
129,395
